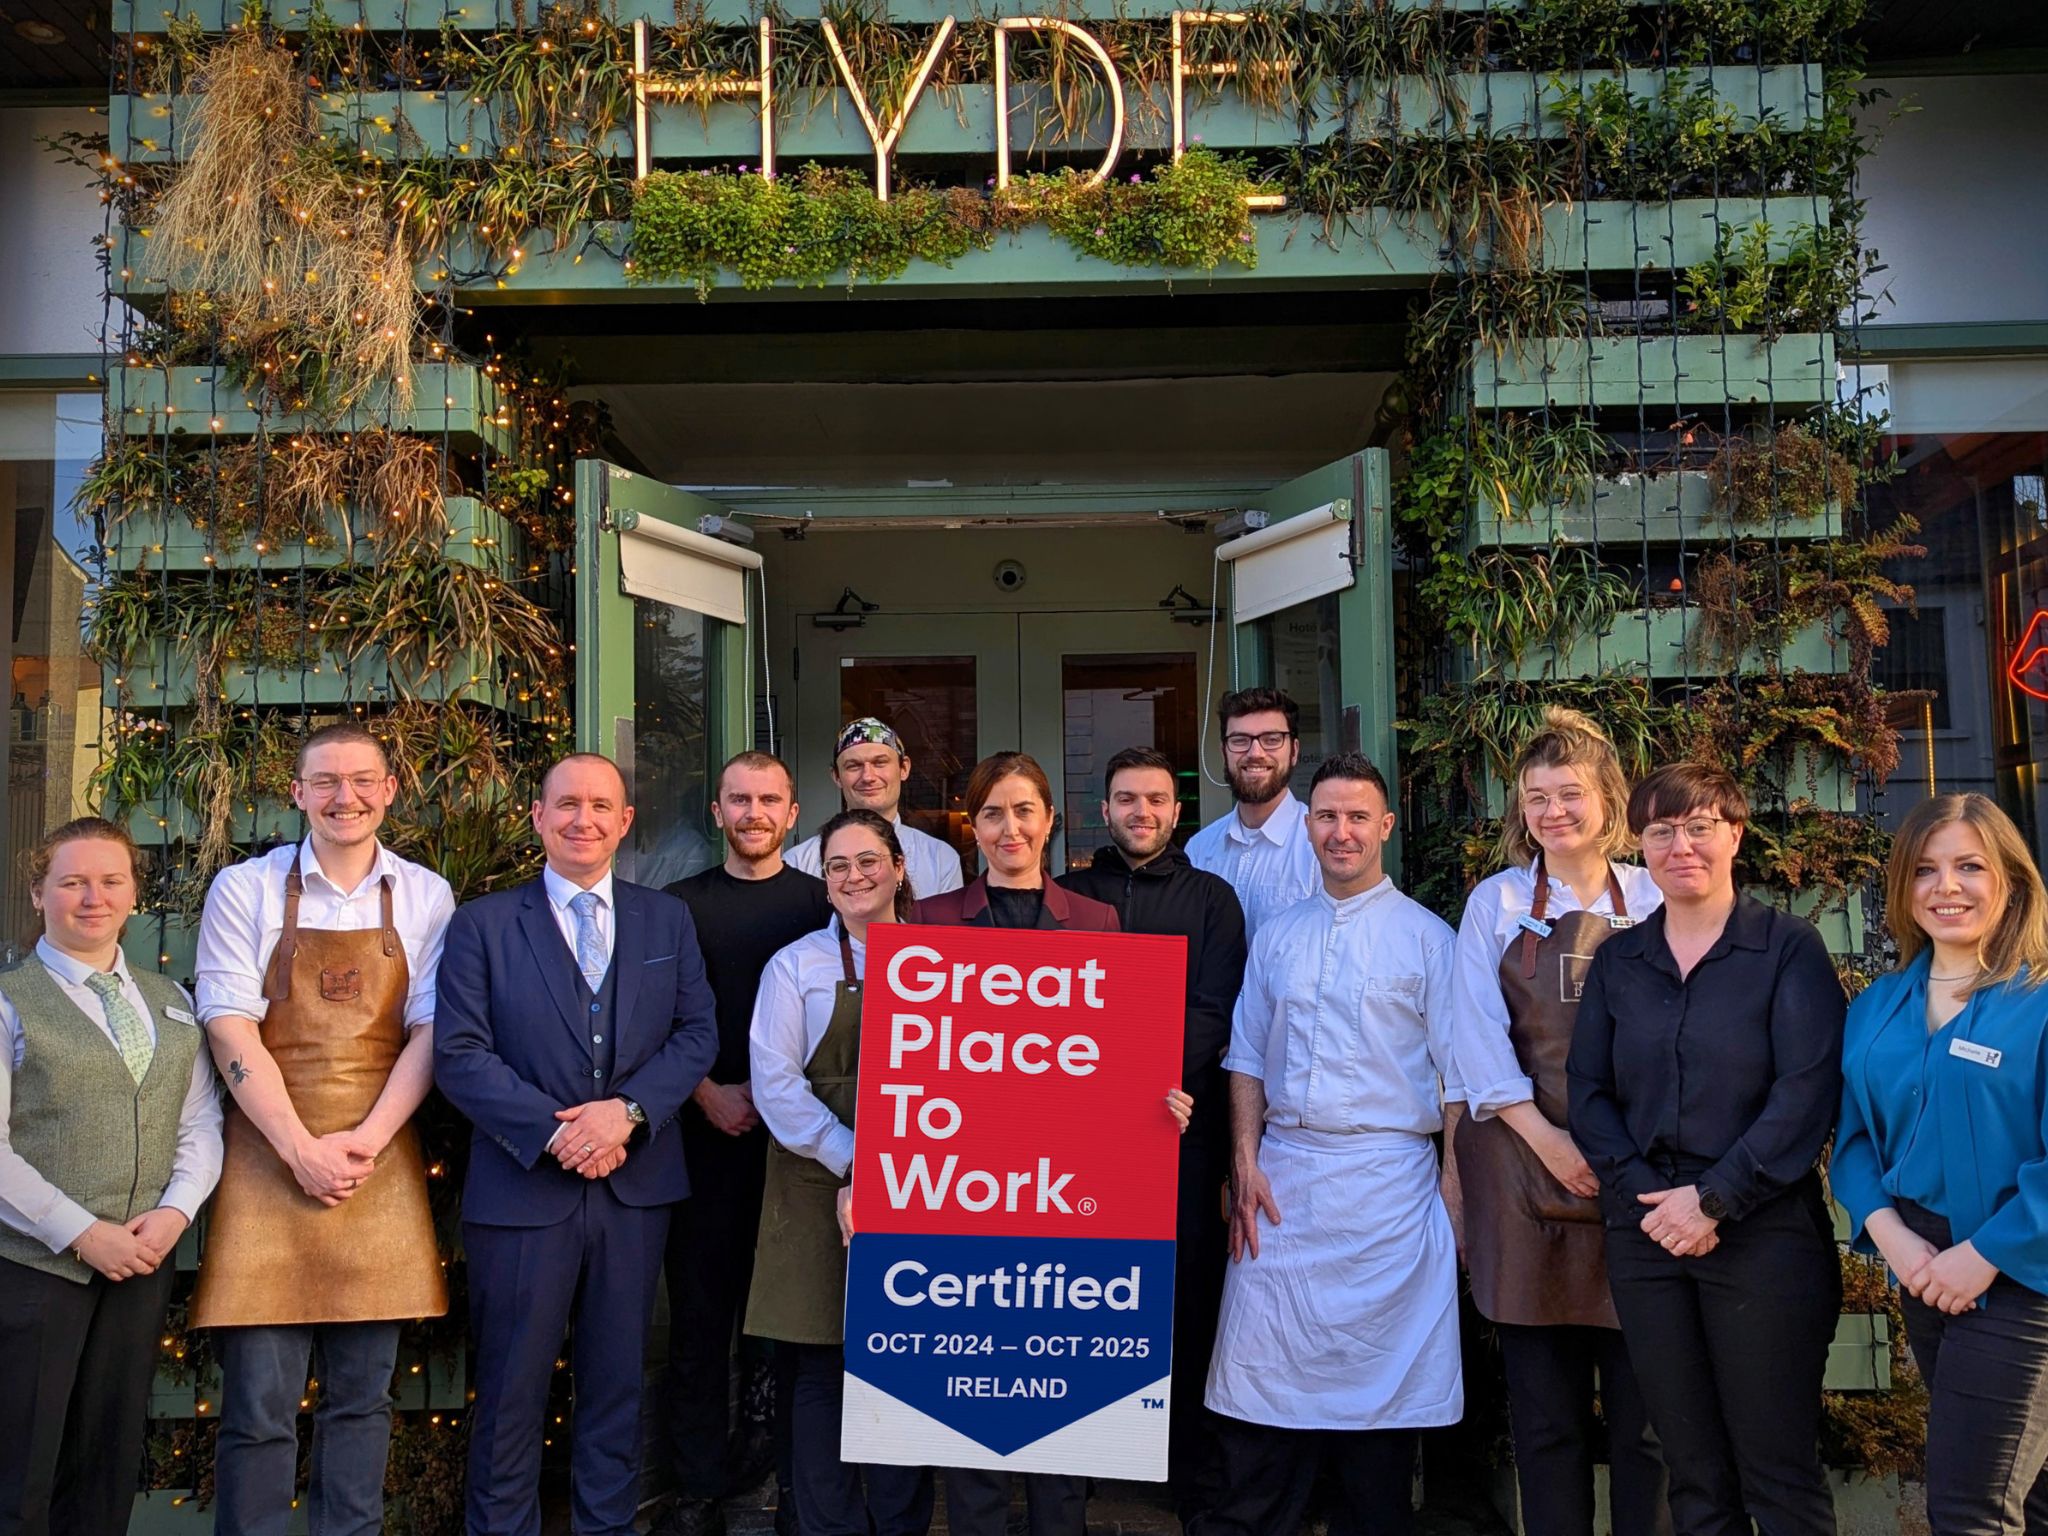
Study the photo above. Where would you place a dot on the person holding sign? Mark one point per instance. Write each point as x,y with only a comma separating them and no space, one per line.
1533,1239
1339,1330
110,1141
1009,805
805,1048
1942,1158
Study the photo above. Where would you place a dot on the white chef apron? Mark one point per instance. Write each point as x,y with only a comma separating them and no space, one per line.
1348,1318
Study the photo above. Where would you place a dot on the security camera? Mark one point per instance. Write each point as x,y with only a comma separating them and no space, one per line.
1010,575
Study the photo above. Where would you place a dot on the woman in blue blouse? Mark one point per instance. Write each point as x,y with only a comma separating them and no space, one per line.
1942,1157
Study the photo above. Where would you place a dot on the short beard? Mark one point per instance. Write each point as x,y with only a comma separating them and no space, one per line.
1131,854
1237,790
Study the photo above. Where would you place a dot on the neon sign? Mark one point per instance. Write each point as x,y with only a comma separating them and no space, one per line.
2031,656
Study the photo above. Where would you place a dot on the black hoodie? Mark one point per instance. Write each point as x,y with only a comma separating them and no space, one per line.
1169,895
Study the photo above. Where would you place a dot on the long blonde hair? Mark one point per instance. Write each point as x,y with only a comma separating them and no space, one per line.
2020,936
1567,739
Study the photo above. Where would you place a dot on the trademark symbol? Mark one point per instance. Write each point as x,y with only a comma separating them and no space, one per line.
1086,1206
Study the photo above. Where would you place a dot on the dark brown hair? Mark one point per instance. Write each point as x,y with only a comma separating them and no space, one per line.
1134,757
883,828
1257,701
991,771
1677,788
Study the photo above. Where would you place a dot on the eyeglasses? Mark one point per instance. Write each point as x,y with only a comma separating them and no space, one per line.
1662,834
1570,801
325,784
1237,743
869,864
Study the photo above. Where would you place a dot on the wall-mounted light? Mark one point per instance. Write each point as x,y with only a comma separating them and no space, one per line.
46,33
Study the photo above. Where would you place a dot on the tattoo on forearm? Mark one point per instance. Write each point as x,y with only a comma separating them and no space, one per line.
237,1073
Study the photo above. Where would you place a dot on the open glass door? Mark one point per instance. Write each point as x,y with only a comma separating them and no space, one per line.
663,658
1312,609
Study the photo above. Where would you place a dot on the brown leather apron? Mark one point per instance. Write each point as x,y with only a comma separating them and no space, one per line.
275,1255
1536,1251
799,1291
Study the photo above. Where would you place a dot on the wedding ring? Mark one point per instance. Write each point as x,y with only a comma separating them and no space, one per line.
587,1147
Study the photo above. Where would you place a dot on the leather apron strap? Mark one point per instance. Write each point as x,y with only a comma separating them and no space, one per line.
1539,904
277,978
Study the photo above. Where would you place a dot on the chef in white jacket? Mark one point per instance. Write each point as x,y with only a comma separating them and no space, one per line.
1339,1329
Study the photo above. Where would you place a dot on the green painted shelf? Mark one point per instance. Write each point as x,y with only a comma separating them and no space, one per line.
266,821
1632,510
455,399
163,539
405,125
1657,371
1661,643
154,681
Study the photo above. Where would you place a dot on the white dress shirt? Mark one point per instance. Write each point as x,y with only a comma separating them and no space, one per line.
933,866
1270,866
561,891
32,1204
245,914
791,1011
1346,1015
1487,1065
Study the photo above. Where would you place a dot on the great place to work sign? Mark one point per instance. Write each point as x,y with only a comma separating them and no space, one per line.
1009,1292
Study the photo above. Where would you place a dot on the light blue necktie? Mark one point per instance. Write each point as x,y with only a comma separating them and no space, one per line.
590,957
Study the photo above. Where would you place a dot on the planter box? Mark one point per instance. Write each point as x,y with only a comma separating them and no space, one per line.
156,680
167,945
1655,370
1673,508
1662,643
267,821
165,540
448,398
1860,1358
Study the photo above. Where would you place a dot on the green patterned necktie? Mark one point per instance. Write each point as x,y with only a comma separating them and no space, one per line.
131,1034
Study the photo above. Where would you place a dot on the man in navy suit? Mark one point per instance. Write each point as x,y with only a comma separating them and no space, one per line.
575,1022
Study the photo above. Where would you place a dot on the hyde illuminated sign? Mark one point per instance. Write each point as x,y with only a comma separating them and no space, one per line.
649,87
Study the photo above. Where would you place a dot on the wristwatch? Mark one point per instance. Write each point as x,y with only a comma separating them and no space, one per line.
633,1111
1712,1206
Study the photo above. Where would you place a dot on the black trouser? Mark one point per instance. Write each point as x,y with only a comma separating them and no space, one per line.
1268,1475
709,1265
978,1503
1550,1373
830,1497
76,1362
1729,1349
1200,1257
1987,1413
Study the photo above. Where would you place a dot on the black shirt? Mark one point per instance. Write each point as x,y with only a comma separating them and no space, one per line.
1168,895
1730,1078
740,926
1011,906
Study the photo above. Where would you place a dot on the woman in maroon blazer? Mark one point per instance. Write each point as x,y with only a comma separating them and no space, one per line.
1009,804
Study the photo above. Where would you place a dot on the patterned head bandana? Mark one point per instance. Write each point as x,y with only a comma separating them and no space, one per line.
860,732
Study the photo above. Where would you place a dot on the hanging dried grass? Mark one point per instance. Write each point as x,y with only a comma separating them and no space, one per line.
283,246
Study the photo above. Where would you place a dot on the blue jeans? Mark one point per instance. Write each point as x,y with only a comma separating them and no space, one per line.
263,1381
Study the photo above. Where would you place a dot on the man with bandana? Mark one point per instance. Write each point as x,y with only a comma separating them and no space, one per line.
870,766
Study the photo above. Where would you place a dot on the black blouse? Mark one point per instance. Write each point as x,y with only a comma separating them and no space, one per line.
1729,1078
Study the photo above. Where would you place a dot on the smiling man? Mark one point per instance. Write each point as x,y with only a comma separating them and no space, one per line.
575,1025
1339,1331
316,982
1260,847
870,766
745,909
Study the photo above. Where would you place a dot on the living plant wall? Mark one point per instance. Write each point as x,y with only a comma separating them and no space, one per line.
334,486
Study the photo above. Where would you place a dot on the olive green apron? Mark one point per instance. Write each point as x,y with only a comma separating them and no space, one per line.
799,1291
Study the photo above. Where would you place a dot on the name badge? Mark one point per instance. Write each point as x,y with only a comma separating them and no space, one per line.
180,1015
1621,922
1534,925
1970,1050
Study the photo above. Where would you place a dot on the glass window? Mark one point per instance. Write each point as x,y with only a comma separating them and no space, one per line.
1300,648
1980,644
930,700
673,836
1127,700
46,570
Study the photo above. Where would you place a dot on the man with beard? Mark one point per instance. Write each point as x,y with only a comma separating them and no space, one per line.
1261,848
1156,890
745,909
1338,1337
870,766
